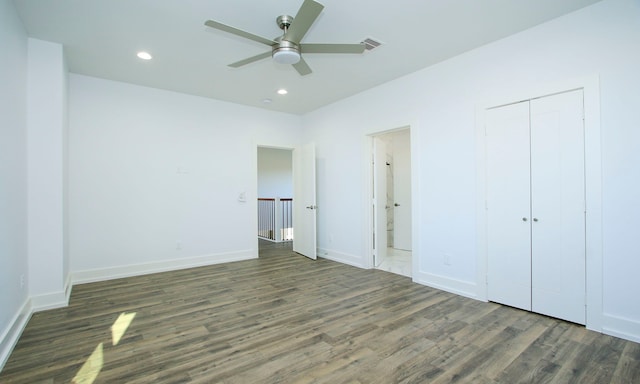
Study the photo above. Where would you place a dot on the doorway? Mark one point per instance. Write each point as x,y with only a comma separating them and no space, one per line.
275,195
392,207
287,176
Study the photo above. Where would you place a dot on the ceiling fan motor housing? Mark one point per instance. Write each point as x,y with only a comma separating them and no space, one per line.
286,52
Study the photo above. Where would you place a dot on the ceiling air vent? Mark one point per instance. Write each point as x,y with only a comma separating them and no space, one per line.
371,44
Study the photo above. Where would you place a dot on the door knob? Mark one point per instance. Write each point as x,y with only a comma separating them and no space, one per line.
524,219
535,219
396,204
311,207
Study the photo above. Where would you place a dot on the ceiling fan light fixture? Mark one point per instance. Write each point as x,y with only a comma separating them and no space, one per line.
286,52
286,56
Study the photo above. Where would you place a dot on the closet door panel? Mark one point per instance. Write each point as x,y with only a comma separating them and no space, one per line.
508,205
557,206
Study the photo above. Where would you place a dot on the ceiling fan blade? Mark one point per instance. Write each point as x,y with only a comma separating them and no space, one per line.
307,14
250,60
239,32
302,67
332,48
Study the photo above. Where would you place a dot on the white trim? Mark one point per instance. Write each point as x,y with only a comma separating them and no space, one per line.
256,145
621,327
367,201
345,258
593,188
50,300
458,287
416,200
367,189
93,275
12,333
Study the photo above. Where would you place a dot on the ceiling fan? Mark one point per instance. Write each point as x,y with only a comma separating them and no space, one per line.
287,49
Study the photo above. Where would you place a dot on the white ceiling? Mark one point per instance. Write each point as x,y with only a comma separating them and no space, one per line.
101,39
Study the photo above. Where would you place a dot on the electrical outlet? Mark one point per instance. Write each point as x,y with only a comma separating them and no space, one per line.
178,244
447,260
21,281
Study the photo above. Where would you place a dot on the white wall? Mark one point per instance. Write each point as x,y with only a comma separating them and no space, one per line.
155,176
275,173
439,104
13,175
46,136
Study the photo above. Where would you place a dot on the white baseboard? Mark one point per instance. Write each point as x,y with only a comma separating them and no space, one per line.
345,258
49,301
12,333
448,284
621,327
93,275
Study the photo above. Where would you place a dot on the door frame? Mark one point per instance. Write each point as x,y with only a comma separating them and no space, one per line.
251,198
368,190
379,235
593,187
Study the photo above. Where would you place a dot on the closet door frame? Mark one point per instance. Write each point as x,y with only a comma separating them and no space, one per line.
593,185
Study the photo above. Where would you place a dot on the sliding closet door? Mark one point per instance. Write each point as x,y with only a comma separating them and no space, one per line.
508,205
558,206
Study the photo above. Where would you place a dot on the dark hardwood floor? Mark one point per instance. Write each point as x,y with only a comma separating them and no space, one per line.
286,319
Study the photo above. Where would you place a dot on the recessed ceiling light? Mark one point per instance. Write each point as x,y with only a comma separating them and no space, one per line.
266,101
145,55
282,91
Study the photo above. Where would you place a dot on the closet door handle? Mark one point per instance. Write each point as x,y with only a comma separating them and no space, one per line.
535,219
524,219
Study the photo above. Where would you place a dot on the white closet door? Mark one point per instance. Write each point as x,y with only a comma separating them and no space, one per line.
508,205
557,206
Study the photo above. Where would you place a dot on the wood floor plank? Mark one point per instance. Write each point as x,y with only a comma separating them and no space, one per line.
283,318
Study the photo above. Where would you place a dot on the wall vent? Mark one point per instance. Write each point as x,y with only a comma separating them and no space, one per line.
371,44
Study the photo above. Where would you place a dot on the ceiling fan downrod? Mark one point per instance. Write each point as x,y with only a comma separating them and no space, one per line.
284,22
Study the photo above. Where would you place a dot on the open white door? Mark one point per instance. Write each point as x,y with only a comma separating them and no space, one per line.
379,201
402,190
304,200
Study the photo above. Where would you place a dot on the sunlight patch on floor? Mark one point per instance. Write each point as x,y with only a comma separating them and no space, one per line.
120,326
91,368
